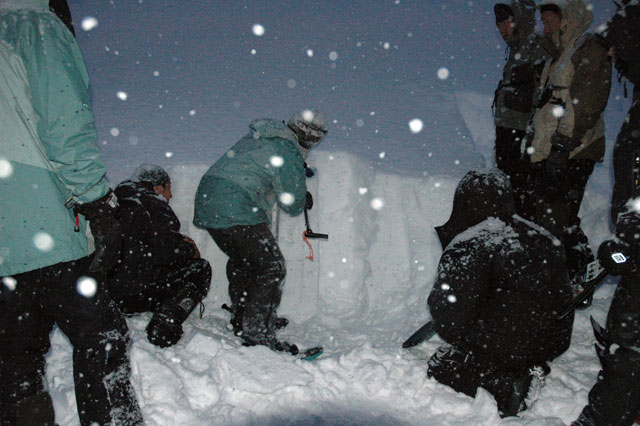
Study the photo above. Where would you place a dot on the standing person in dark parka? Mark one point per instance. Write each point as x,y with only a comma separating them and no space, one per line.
569,124
501,282
160,270
233,202
47,274
514,101
615,398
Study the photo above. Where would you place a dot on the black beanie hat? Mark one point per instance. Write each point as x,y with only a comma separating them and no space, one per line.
550,7
503,12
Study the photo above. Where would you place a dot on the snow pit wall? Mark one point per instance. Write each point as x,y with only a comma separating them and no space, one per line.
380,259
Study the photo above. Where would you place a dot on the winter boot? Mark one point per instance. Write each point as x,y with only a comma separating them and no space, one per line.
165,327
516,400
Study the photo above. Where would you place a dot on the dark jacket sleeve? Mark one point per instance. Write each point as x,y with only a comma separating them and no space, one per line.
590,86
461,285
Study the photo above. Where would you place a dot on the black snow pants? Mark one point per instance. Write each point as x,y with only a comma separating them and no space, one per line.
615,398
557,207
173,291
30,304
256,272
510,160
625,152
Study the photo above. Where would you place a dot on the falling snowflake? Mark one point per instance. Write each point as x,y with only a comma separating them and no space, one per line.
122,95
276,161
87,286
287,198
377,203
443,73
258,30
88,23
6,169
43,241
415,125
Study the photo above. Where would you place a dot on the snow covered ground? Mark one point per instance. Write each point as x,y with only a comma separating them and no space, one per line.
176,83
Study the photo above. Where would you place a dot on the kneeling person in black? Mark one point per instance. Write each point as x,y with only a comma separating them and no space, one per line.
501,283
160,270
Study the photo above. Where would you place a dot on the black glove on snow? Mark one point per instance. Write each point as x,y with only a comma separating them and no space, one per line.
614,255
309,201
105,230
162,331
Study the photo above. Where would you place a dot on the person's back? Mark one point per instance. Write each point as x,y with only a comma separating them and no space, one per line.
501,282
159,270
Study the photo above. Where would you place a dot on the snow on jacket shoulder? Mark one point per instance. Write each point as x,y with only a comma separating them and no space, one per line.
47,137
264,167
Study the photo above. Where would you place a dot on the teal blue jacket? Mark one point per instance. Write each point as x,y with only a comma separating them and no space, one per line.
264,167
48,153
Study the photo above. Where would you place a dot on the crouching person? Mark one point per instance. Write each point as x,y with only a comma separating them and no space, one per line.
233,203
501,283
159,270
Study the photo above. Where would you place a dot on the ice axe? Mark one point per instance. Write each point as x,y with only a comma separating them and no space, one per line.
308,233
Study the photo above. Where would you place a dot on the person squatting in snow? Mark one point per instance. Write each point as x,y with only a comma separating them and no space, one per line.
615,398
501,282
48,276
568,126
233,202
159,270
515,96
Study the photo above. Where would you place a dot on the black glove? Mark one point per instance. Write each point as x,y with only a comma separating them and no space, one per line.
163,332
105,230
309,201
556,163
614,256
308,171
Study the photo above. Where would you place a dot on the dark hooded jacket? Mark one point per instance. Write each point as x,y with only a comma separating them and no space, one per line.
151,243
515,96
623,33
501,280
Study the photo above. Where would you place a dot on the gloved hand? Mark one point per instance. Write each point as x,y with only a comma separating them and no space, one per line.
105,230
614,256
162,331
309,201
556,163
308,171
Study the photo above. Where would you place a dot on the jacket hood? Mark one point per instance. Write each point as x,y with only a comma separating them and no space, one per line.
576,19
524,18
480,194
24,4
269,128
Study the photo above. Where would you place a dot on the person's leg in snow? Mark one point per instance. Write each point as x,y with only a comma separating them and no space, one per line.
97,332
255,248
184,288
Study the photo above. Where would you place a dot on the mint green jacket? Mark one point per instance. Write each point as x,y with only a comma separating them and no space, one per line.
264,167
48,151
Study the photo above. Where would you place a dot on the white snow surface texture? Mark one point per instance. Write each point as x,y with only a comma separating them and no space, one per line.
176,83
